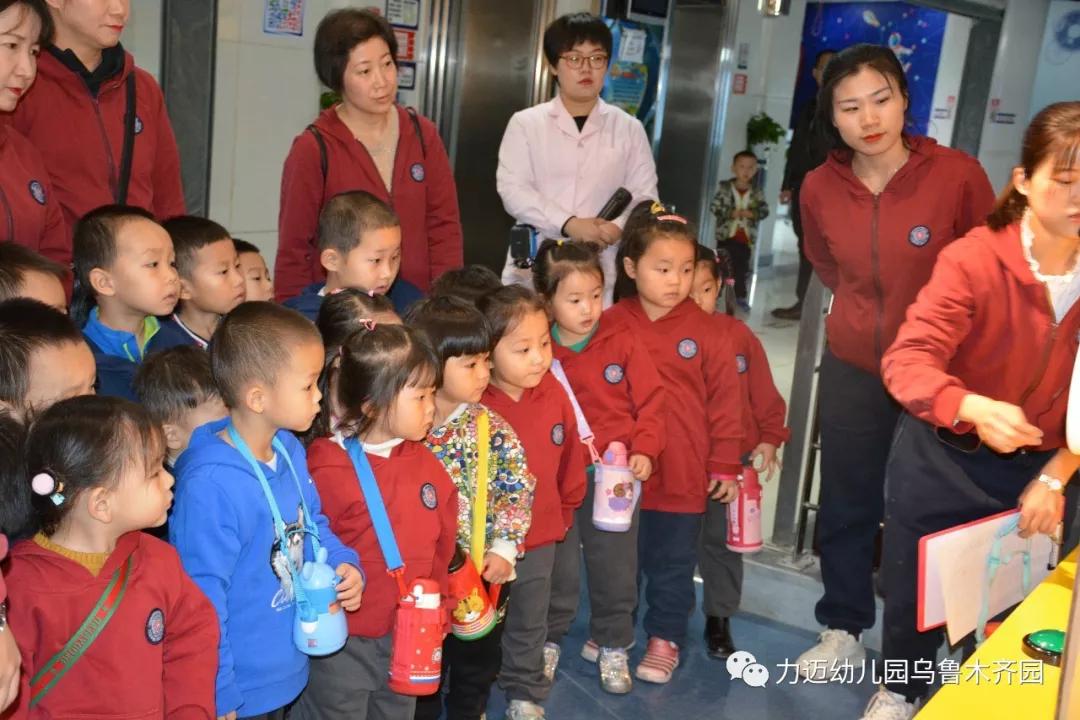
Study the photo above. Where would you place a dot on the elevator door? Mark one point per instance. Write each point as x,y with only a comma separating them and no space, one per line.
490,70
693,105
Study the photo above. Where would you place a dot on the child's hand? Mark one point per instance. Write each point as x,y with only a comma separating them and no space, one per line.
764,460
724,491
641,467
351,587
496,568
231,715
9,669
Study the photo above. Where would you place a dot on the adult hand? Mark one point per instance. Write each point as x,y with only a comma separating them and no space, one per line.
641,467
724,491
9,668
1041,509
351,588
497,569
1000,425
764,460
593,230
785,197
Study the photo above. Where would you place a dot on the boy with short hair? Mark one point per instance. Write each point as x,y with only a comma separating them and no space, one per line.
25,273
738,207
124,281
469,283
265,361
259,281
210,282
176,388
359,247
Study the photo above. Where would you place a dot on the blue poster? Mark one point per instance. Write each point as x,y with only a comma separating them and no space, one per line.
634,73
914,34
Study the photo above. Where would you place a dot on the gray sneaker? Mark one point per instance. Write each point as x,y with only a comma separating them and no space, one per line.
524,710
551,660
615,671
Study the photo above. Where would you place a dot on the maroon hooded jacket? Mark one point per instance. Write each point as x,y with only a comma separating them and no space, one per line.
875,252
81,139
29,211
423,196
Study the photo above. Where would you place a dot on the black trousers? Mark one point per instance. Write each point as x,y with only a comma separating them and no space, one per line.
469,670
933,486
857,417
740,260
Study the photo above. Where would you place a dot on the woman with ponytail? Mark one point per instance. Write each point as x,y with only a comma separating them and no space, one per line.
984,427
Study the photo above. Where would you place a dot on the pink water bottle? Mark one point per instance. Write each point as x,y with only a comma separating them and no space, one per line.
744,515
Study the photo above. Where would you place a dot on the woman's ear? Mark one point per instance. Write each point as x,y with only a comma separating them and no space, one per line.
1020,180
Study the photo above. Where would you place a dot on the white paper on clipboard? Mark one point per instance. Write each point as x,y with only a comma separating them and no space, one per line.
1072,417
953,571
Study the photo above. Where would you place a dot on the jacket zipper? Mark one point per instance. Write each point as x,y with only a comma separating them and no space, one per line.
10,216
875,271
1047,350
113,180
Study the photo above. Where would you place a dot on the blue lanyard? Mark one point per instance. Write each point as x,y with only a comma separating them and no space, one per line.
376,508
279,524
995,561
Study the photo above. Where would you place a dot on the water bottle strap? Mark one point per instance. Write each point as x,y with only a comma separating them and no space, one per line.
478,531
993,563
585,433
376,507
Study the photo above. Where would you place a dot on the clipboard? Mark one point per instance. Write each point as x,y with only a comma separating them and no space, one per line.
953,567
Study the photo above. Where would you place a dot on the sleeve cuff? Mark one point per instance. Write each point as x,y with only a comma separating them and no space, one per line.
946,408
776,438
505,549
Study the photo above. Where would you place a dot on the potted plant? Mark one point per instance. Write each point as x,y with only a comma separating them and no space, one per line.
762,131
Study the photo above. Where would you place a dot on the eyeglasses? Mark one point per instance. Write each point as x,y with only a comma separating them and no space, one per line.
596,62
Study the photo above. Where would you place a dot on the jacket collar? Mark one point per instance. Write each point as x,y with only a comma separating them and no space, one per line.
922,149
565,121
114,67
120,343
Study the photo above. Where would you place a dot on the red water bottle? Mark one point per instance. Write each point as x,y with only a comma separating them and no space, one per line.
416,653
744,515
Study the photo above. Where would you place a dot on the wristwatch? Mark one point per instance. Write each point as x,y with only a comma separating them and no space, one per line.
3,616
1051,482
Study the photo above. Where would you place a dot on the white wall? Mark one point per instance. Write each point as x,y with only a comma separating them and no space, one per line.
949,76
1058,75
142,36
774,62
1011,86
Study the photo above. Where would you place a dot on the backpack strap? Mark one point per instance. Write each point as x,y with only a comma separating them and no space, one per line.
58,665
324,160
126,158
416,128
478,533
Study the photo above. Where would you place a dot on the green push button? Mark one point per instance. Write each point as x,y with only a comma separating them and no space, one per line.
1045,645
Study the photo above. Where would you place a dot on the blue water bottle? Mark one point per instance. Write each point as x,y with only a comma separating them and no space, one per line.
320,627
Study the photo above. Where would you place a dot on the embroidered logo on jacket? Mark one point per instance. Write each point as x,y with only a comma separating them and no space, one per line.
37,191
613,373
429,497
919,235
558,434
687,348
155,626
138,125
740,363
417,172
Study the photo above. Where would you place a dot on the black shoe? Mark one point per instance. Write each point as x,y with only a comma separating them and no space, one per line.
789,313
718,638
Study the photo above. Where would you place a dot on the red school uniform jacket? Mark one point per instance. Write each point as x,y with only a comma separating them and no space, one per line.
984,325
704,402
29,212
157,657
876,251
81,139
763,407
545,423
619,390
421,502
423,195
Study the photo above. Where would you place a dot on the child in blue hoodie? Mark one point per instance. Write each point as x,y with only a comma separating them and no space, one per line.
266,360
360,248
124,278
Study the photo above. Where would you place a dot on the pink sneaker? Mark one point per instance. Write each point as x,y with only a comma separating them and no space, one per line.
661,659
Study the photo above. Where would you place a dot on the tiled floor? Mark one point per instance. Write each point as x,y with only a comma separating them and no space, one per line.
702,688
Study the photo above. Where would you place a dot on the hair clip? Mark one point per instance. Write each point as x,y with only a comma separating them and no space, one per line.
672,218
368,324
559,242
45,484
371,293
657,208
335,291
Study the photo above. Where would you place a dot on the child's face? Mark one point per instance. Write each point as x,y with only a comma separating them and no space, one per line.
465,378
578,302
58,372
178,434
216,284
372,265
45,287
705,289
412,412
257,278
745,168
142,497
663,275
523,354
292,402
143,275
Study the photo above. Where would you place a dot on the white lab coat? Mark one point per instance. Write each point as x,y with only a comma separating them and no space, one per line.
549,172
